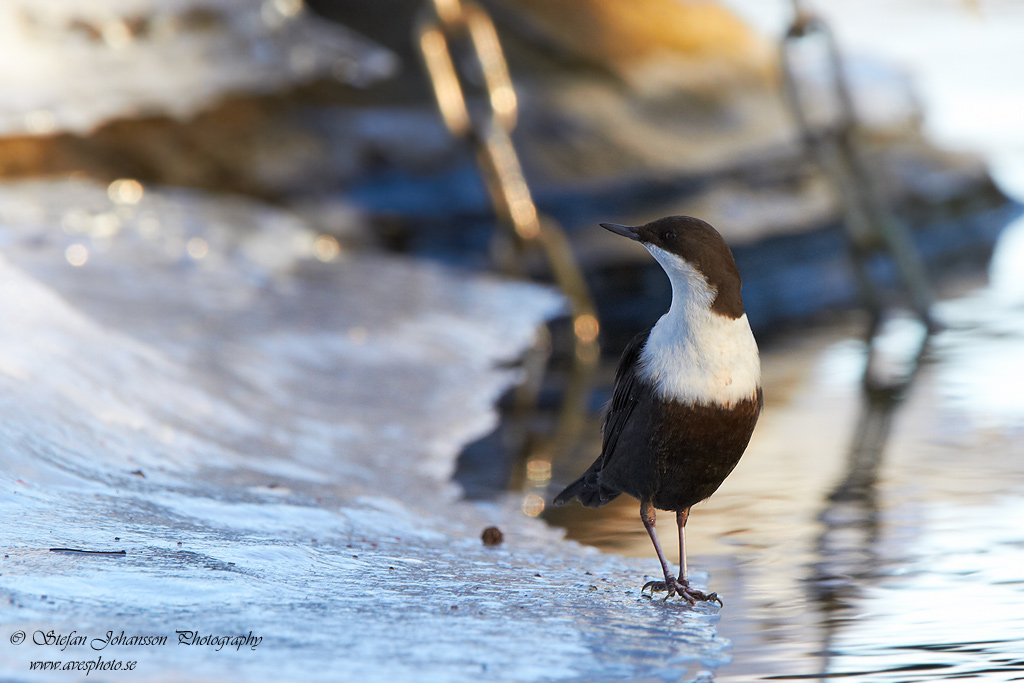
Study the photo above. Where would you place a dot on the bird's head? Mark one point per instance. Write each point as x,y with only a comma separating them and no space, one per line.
692,253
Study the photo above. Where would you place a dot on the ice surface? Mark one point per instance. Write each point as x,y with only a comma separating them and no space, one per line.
68,65
270,438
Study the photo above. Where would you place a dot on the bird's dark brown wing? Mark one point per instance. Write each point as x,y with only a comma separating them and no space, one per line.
624,397
589,488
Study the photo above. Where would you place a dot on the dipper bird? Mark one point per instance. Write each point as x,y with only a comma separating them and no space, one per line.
687,392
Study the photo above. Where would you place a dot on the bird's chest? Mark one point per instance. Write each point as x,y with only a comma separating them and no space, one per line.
700,359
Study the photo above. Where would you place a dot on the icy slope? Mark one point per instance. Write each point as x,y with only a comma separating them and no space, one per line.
269,438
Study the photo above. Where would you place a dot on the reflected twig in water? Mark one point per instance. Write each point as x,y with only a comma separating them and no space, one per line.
846,546
888,375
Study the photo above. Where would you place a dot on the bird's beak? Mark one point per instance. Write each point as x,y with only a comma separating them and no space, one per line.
623,230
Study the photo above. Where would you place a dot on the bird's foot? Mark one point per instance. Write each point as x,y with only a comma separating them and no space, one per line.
674,586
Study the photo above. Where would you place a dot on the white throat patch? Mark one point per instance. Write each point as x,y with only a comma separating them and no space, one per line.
694,355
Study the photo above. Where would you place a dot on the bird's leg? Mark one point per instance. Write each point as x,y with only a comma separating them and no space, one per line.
681,517
691,594
670,584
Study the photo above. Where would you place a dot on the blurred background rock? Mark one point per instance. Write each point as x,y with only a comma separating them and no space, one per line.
628,111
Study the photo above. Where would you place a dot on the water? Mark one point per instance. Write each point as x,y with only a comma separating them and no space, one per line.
904,565
908,571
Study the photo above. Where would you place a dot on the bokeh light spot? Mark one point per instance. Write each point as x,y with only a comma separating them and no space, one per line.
125,191
326,248
197,247
76,255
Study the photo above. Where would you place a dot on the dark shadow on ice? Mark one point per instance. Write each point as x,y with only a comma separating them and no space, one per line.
541,418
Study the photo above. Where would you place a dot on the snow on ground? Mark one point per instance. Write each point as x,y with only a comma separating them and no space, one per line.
72,66
269,438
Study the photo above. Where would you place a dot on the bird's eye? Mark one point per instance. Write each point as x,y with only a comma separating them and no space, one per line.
668,236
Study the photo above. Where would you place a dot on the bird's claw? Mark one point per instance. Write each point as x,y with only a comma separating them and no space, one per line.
673,586
670,586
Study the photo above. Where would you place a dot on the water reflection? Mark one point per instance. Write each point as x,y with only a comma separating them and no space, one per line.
894,355
846,547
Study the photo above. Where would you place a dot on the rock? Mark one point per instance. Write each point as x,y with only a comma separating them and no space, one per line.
78,66
492,536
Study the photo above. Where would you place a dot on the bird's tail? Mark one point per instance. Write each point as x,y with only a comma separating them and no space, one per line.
589,491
